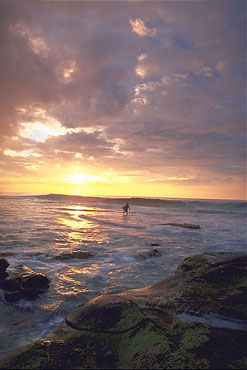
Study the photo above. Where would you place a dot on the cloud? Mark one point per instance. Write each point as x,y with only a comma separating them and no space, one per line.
86,144
150,88
138,27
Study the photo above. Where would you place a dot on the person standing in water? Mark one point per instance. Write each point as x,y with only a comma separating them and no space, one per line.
126,208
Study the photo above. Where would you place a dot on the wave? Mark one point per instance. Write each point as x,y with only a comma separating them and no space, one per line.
200,205
136,201
85,210
111,223
215,211
193,205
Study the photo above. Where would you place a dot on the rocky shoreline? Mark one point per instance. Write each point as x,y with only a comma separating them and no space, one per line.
196,319
21,282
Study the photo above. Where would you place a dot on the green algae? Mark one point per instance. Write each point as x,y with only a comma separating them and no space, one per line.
52,354
145,346
113,333
194,337
181,345
129,317
106,315
239,364
182,359
237,285
152,347
142,339
223,348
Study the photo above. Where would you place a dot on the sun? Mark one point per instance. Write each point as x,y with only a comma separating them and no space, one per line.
80,178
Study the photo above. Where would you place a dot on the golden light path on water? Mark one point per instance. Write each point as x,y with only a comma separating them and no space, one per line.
79,225
78,229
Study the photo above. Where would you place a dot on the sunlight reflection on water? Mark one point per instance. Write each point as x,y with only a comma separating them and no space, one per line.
75,221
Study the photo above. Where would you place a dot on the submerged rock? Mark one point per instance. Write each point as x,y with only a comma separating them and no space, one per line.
5,254
187,226
145,253
23,283
74,254
172,324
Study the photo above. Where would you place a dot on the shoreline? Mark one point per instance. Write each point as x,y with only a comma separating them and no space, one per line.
136,328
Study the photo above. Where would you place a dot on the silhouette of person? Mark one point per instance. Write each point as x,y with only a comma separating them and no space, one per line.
126,208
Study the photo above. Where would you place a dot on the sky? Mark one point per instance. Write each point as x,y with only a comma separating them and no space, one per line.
123,98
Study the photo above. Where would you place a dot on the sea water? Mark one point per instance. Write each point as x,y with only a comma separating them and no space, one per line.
130,251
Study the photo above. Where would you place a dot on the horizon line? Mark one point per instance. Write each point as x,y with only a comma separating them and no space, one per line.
115,196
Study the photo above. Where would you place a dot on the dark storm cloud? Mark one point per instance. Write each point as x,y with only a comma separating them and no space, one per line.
85,143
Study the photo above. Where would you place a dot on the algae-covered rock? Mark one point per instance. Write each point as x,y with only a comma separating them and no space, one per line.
105,314
196,319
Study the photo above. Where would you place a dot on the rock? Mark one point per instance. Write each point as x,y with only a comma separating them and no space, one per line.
3,275
145,253
5,254
23,283
74,254
196,319
3,266
105,314
214,267
188,226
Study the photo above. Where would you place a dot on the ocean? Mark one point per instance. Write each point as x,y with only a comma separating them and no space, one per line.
129,251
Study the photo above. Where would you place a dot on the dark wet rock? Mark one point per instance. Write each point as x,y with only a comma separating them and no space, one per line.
5,254
149,327
187,226
3,266
3,275
214,267
74,254
145,253
23,283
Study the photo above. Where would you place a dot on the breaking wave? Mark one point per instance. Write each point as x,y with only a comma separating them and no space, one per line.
200,206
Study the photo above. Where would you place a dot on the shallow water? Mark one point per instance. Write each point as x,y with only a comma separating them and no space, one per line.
34,230
216,321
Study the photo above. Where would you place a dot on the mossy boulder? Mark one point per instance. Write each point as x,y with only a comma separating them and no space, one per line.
106,314
143,328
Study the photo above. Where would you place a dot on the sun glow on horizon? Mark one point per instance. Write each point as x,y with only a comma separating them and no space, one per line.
80,178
